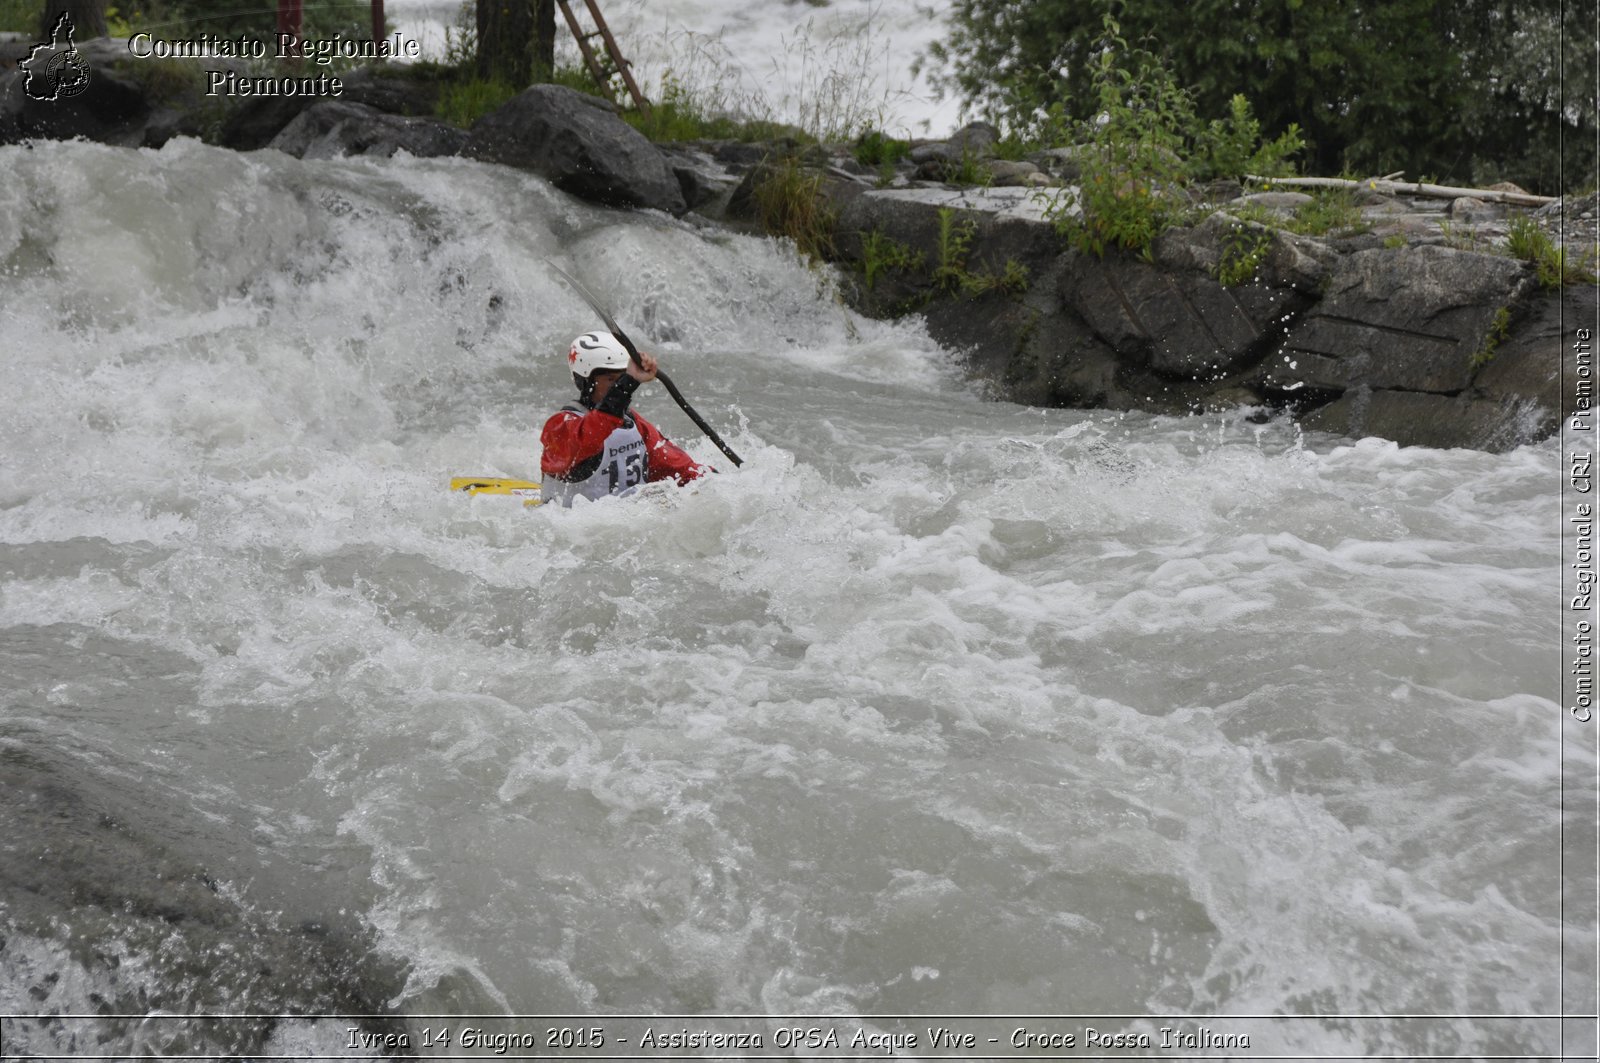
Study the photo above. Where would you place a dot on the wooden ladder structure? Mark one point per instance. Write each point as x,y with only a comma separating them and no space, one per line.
601,69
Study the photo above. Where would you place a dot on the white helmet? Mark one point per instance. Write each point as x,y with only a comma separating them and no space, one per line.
596,350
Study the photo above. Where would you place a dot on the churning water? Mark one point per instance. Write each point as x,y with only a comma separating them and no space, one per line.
829,65
937,705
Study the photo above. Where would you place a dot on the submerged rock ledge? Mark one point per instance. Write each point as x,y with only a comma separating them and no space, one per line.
1417,330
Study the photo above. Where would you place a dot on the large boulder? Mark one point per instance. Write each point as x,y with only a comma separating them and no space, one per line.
1527,366
124,101
976,140
701,180
251,122
987,234
1420,419
110,109
100,914
578,143
333,128
1416,318
1184,325
1283,260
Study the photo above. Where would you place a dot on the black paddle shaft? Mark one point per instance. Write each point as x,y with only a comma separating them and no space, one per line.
633,352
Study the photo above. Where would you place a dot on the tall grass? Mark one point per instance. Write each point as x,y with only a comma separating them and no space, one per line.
1552,264
461,103
790,203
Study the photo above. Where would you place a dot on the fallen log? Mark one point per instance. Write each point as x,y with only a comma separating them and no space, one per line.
1407,188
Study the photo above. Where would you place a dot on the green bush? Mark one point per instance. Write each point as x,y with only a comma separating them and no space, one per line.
1466,90
1242,254
1232,147
1145,144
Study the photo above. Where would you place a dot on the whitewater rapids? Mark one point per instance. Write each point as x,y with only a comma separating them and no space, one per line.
938,705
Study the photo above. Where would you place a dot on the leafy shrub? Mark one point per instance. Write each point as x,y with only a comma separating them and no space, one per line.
1145,143
1232,147
1242,254
880,253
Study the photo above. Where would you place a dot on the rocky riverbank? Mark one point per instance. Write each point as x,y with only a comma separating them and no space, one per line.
1406,319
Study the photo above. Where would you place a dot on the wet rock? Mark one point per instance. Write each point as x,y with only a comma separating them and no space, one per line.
1526,365
332,128
1285,260
975,139
1058,162
110,109
1185,325
1470,211
252,124
914,224
1385,207
391,93
701,180
738,153
1413,418
126,102
580,145
102,917
1412,318
1007,173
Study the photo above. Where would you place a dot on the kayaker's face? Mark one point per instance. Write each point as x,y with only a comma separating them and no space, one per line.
602,379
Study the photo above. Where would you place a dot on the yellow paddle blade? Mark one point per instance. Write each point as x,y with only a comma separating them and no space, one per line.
526,490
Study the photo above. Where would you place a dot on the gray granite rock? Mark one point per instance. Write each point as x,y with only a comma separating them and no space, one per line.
580,145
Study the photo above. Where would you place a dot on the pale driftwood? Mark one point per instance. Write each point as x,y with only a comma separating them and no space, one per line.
1408,188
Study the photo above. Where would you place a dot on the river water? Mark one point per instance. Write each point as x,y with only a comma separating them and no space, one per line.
936,706
834,67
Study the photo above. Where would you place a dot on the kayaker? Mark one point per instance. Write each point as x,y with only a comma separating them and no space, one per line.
597,446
